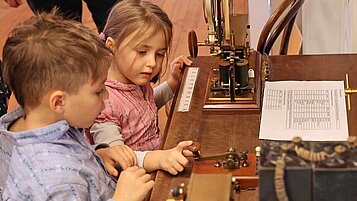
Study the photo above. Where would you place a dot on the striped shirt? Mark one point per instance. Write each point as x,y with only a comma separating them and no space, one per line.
50,163
132,108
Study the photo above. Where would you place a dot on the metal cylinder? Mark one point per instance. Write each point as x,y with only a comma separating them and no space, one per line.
242,73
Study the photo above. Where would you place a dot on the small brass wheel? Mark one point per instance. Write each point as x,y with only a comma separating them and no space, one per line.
230,163
297,140
352,140
285,147
339,149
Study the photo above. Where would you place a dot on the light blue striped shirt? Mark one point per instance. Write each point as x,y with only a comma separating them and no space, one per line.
50,163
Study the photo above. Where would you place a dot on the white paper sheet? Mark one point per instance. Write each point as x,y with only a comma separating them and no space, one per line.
313,110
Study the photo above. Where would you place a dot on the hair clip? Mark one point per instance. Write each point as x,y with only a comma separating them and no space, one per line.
103,36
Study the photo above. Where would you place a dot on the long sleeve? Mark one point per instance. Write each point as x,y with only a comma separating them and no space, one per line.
140,155
108,133
50,163
133,110
162,94
49,180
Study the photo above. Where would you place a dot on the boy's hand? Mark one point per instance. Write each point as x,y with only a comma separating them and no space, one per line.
174,160
133,185
121,154
175,69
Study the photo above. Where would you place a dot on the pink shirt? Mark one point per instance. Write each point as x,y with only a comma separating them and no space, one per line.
133,109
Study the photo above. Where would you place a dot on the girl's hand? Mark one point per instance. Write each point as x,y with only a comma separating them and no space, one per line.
175,68
174,160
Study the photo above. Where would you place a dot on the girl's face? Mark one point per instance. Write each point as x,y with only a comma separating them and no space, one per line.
137,63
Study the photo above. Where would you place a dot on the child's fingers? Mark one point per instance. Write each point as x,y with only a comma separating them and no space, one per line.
149,185
181,60
178,66
181,160
124,155
140,172
187,153
130,156
184,59
123,160
187,61
179,164
172,171
183,145
145,178
132,169
111,169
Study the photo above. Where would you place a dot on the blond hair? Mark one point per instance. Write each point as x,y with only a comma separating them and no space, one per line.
47,53
145,18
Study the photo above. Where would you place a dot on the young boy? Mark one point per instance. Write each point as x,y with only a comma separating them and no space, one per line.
56,70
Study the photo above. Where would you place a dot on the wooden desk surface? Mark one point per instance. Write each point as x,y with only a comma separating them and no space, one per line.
218,132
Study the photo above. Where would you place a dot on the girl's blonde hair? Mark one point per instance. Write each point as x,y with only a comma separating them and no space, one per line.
145,18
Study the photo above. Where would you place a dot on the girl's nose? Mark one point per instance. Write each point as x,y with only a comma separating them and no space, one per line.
151,61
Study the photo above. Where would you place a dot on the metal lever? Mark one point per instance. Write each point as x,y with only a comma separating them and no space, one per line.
349,91
195,148
212,157
231,160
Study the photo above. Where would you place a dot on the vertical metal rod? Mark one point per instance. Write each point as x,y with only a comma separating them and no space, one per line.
232,77
348,95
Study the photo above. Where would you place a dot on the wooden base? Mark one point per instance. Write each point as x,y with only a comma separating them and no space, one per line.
210,187
246,176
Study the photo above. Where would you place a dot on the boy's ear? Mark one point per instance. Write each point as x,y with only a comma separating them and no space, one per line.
110,43
57,101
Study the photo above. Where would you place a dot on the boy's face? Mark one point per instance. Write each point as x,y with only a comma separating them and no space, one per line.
82,108
138,63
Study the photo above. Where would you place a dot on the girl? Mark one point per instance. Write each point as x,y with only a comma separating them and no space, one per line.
139,33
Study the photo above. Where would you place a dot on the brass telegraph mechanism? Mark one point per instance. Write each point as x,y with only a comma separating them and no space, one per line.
230,159
226,30
234,81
